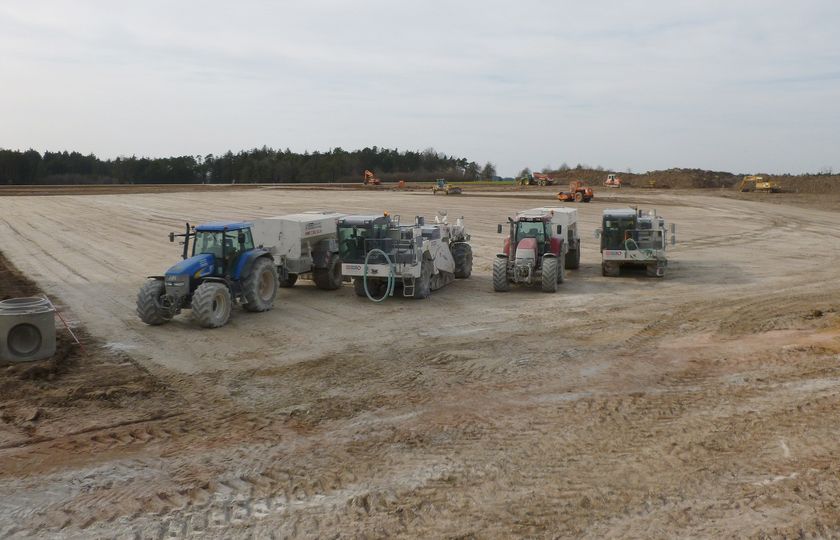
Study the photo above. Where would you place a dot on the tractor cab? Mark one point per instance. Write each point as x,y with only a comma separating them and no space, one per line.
216,252
225,242
537,229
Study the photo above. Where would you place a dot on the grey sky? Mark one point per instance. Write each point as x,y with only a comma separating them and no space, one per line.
742,86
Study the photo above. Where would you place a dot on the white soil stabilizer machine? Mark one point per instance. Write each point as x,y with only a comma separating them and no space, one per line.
305,243
541,244
380,254
632,237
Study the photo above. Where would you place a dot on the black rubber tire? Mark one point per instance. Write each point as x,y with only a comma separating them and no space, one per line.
329,278
376,286
550,270
211,304
561,268
288,282
359,286
259,288
148,303
500,278
423,284
610,271
573,259
462,253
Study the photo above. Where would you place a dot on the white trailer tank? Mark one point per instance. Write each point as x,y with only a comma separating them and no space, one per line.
302,243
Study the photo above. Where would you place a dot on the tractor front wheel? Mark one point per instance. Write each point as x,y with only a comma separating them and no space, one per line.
550,274
211,304
149,307
500,278
260,287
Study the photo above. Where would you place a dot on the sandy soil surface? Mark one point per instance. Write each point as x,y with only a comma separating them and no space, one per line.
701,404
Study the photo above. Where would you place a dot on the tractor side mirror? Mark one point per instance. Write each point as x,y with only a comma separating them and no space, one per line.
597,233
559,229
172,237
499,229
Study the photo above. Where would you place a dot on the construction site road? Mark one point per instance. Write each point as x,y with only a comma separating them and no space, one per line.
700,404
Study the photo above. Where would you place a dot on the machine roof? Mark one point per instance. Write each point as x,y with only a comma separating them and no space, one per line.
619,212
360,219
218,226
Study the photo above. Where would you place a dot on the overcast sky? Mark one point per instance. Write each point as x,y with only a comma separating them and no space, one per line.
729,85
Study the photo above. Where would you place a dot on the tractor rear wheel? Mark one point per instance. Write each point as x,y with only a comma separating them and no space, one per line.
573,259
500,278
211,304
289,281
578,196
550,274
149,307
260,287
462,253
329,278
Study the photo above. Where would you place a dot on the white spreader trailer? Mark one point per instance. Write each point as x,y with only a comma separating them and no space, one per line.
304,243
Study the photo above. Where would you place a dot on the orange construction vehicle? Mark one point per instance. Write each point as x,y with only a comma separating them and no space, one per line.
612,181
371,179
577,192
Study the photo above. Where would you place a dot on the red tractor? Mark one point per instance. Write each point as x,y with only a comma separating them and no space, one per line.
541,244
577,193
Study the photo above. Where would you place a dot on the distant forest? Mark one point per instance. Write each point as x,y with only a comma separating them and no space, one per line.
250,166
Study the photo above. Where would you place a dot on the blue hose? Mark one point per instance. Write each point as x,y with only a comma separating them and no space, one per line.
392,280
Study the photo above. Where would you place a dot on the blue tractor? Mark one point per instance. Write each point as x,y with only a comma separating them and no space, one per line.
224,267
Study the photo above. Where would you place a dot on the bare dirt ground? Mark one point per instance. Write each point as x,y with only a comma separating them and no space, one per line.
701,404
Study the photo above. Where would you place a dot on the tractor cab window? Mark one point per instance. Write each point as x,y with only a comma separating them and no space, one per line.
531,229
233,247
208,242
211,242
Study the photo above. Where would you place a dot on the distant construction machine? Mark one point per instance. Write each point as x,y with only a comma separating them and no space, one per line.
443,186
535,179
370,179
631,237
759,184
381,254
541,244
577,193
612,181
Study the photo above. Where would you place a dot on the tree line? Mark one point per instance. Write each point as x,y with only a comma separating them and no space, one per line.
259,165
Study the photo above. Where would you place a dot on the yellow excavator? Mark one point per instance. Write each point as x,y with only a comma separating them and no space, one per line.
758,183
